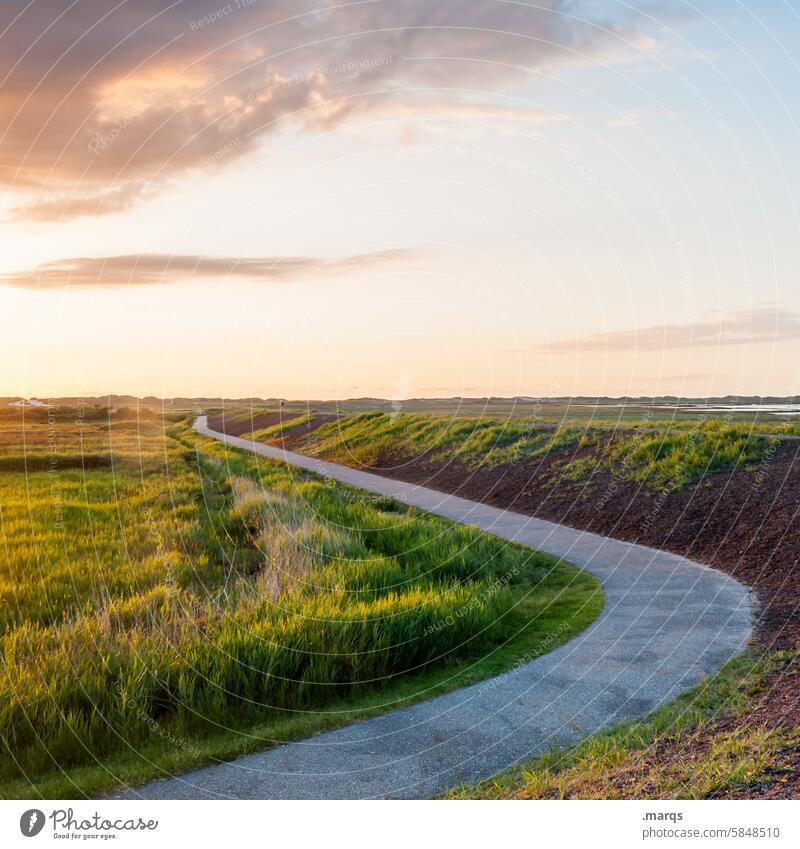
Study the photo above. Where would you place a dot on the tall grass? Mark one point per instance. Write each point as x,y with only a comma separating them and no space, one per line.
187,587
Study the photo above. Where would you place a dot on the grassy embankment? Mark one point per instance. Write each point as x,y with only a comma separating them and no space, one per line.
168,601
265,434
645,453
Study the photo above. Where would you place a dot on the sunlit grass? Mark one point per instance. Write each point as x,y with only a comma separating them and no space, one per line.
367,438
189,592
644,453
265,434
681,455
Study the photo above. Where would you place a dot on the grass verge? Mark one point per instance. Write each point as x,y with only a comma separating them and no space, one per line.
697,747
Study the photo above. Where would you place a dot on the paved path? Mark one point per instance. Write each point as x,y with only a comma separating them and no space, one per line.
666,623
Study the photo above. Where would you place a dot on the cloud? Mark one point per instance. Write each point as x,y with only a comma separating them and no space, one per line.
73,206
754,326
102,102
468,111
152,269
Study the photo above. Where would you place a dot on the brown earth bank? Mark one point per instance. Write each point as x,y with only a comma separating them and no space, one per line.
298,432
236,425
743,521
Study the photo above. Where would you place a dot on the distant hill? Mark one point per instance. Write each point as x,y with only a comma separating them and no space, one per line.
183,402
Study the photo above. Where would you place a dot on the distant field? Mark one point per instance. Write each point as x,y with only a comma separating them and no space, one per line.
510,417
578,411
167,601
773,414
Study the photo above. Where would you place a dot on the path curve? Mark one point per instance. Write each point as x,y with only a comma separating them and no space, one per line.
667,622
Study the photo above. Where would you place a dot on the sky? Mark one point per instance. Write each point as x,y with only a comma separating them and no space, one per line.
399,198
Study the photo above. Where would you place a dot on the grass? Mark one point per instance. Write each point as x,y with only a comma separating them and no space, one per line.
680,456
367,438
185,602
265,434
660,756
644,453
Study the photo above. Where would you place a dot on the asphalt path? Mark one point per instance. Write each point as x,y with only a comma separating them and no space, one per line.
667,622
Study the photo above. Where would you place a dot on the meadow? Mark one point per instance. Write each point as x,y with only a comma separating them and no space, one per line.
168,601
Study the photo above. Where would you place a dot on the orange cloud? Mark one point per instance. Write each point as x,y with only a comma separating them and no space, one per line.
103,102
152,269
763,323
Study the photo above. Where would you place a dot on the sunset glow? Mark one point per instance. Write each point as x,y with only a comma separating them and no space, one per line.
271,198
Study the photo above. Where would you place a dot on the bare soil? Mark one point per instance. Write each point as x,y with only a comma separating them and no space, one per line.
234,427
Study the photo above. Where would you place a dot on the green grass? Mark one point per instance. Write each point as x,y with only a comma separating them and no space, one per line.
265,434
644,453
189,602
367,438
633,760
679,456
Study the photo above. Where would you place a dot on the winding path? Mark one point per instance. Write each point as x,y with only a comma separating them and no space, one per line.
667,622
